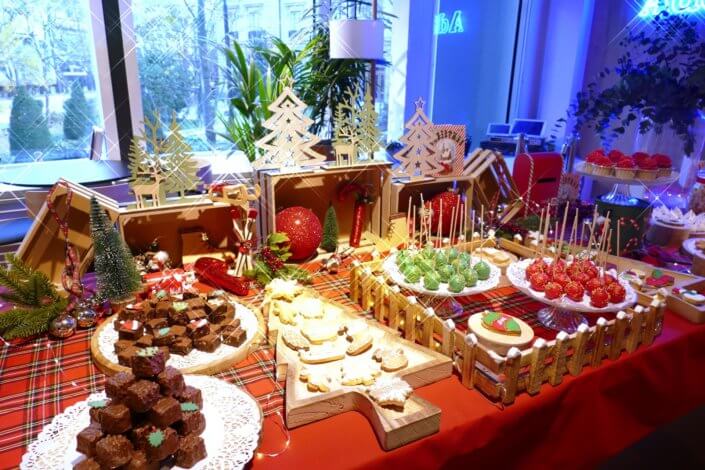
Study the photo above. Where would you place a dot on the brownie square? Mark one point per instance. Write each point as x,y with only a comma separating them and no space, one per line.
115,419
177,315
139,461
229,326
191,450
165,412
198,328
192,422
234,337
155,324
139,434
191,394
171,381
126,356
163,336
208,343
148,362
87,439
192,315
181,346
122,344
145,341
196,303
168,445
142,395
116,386
191,294
94,408
165,351
130,329
148,309
163,308
215,293
87,464
126,314
113,451
178,331
117,323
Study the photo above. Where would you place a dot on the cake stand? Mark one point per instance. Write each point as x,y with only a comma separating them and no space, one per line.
233,426
442,300
620,194
563,314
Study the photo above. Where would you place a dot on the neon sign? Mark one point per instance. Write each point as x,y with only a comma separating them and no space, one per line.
443,25
673,7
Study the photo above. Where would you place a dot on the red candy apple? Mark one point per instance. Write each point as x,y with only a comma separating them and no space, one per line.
599,297
553,290
616,292
561,279
592,284
538,281
574,291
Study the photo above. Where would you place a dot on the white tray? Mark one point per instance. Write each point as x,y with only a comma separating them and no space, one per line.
515,274
392,270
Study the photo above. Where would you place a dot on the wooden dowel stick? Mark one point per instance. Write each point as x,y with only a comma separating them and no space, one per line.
472,233
439,234
560,242
617,249
413,227
592,232
482,224
408,220
574,234
547,222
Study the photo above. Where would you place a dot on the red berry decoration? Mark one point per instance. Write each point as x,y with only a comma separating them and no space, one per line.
538,281
574,291
599,297
553,290
303,229
443,203
616,292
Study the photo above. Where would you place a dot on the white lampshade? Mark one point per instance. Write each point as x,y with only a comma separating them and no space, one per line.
357,39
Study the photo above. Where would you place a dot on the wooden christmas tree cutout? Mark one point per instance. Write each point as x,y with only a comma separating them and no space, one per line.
290,143
356,130
417,158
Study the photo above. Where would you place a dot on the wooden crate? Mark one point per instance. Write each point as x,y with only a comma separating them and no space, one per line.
169,223
316,188
501,378
43,248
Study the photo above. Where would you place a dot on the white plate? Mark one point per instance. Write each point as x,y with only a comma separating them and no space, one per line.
391,268
515,274
233,425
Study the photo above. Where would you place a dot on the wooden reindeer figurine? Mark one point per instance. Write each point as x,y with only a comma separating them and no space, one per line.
148,189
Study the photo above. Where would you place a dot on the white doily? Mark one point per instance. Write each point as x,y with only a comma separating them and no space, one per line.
516,275
233,425
391,268
248,321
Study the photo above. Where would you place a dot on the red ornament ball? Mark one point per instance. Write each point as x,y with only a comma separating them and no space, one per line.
443,203
303,229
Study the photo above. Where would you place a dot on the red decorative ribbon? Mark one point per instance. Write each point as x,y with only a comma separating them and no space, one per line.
214,272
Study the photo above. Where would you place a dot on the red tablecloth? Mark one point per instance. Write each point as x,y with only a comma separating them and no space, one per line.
578,424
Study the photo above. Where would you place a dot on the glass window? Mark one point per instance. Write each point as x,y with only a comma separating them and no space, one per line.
49,100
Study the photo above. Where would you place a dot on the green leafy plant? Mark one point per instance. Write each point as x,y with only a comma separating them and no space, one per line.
269,262
35,299
660,81
29,129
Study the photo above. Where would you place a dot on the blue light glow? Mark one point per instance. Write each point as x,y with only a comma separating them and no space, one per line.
674,7
443,25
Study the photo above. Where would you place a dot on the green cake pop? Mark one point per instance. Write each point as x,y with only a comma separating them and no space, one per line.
460,264
445,272
453,253
442,258
456,283
431,280
412,274
402,256
423,264
483,270
470,277
428,250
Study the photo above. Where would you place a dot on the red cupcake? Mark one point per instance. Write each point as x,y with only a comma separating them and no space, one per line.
615,156
665,166
625,168
648,168
602,166
639,156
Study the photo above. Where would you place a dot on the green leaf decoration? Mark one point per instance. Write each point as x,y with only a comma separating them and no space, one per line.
161,294
512,326
489,317
148,352
98,404
277,238
156,438
180,306
163,331
657,274
189,406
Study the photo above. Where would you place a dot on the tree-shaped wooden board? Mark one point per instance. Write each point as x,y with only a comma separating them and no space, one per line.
335,361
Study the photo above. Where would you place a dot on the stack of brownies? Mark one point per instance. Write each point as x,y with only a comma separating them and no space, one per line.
150,418
177,325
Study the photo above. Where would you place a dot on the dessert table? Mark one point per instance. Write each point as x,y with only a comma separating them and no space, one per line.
579,424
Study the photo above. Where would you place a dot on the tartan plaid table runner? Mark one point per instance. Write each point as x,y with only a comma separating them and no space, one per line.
40,378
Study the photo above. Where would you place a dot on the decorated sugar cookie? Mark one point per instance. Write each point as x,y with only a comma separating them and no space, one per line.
356,373
659,279
500,323
308,307
390,391
316,381
391,359
693,297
